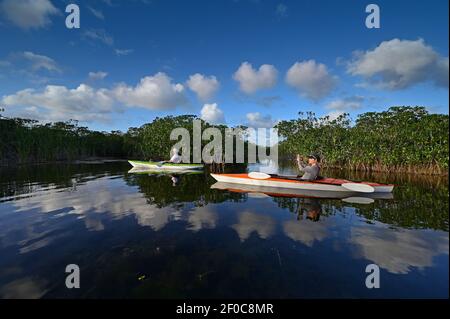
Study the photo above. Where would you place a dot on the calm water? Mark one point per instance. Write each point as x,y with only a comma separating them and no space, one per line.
142,236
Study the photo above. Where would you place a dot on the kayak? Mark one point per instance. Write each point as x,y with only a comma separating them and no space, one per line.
153,171
254,191
324,184
166,166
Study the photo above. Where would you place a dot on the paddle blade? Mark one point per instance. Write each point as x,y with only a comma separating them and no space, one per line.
257,195
258,175
359,187
358,200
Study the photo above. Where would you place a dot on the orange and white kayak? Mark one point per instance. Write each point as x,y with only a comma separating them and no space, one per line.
324,184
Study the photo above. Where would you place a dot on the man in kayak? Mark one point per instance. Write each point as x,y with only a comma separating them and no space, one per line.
311,170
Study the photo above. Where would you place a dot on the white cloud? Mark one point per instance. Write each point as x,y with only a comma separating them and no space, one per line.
84,103
58,103
155,92
28,14
39,62
100,75
312,80
333,115
346,103
212,114
257,120
251,80
203,86
97,13
123,52
398,64
99,35
281,10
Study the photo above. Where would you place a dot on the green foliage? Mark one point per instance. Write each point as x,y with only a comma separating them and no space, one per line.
406,138
27,141
401,138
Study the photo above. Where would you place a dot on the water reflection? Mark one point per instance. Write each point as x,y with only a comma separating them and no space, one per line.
193,240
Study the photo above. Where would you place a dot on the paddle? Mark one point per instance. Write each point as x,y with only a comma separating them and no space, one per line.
354,187
159,164
358,200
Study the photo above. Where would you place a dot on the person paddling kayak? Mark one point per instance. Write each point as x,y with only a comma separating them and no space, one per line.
176,158
311,170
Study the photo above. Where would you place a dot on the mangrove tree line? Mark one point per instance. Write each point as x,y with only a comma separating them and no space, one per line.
399,139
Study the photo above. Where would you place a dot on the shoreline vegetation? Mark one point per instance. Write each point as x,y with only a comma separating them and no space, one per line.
401,139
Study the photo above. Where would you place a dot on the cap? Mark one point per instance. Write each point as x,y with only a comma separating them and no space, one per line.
316,157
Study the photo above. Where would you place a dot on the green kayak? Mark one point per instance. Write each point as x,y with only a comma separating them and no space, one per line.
165,166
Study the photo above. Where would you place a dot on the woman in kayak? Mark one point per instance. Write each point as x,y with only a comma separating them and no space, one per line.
311,170
176,158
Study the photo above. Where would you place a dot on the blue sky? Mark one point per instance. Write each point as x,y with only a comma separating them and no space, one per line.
238,62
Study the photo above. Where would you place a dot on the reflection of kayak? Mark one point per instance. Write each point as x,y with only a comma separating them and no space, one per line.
152,171
325,184
260,191
165,166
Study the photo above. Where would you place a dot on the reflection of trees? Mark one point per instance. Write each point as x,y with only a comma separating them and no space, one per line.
413,206
21,179
419,201
159,190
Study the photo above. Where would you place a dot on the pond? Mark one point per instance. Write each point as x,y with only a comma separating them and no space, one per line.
162,236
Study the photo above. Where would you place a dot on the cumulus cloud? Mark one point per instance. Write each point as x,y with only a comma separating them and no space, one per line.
85,103
28,14
58,103
203,86
100,75
398,64
333,115
346,103
155,92
311,79
257,120
251,80
211,113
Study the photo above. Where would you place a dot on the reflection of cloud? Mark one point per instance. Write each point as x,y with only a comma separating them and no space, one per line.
252,222
101,196
399,250
202,217
156,218
305,232
24,288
